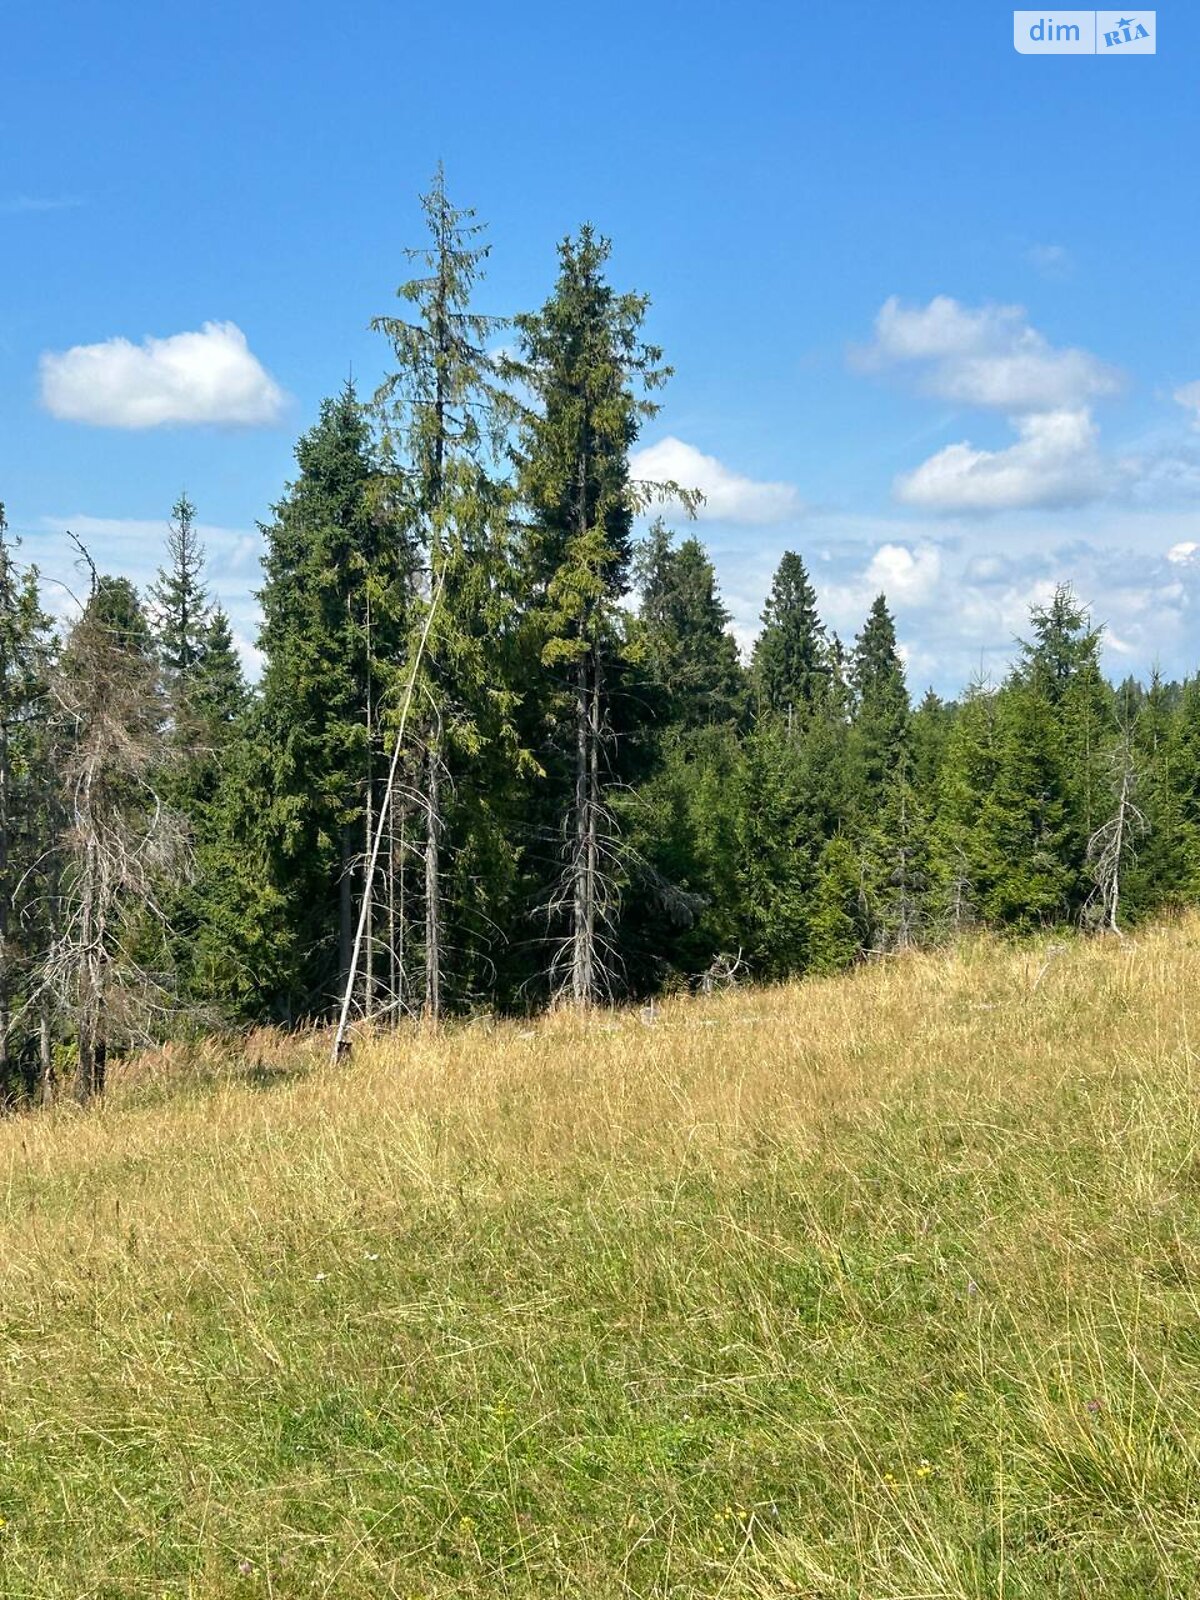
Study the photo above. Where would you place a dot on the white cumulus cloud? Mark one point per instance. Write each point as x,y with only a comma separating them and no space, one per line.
1055,462
728,496
912,577
210,376
989,356
909,577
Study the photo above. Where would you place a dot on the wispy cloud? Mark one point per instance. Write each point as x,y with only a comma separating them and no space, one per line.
1189,397
23,204
1053,261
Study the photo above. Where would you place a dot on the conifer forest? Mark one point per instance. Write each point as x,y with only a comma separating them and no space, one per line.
505,753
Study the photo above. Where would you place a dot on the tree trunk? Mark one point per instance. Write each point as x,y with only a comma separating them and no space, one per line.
369,932
5,901
346,905
45,1056
583,905
369,831
85,1070
395,999
89,979
100,1065
433,887
1118,848
593,829
91,1073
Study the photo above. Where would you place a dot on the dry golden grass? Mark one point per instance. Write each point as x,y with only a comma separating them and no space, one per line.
880,1286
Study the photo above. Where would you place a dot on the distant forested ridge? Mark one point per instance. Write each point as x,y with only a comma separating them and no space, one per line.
504,753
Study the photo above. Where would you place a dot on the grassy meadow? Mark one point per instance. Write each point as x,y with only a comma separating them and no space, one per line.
883,1286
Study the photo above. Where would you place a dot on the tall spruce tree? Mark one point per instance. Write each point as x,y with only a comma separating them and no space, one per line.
896,870
219,692
1181,788
589,374
792,667
1023,838
1159,875
335,612
838,927
881,708
966,774
1061,662
1064,644
178,599
682,638
442,414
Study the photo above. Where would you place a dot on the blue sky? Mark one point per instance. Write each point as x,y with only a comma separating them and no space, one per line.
932,304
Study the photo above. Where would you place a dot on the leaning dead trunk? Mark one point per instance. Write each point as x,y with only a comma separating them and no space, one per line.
433,886
346,902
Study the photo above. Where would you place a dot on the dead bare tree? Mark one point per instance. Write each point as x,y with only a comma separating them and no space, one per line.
1112,848
724,972
120,846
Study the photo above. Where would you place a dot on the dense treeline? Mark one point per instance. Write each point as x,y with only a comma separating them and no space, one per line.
503,753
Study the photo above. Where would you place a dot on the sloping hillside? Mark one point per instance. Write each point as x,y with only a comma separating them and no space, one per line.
882,1286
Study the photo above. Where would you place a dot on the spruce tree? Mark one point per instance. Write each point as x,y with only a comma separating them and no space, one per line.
881,709
929,733
897,867
219,693
1159,875
1064,644
1062,663
442,414
335,611
682,640
590,375
1180,798
791,666
961,858
777,851
1024,835
682,906
838,928
178,599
